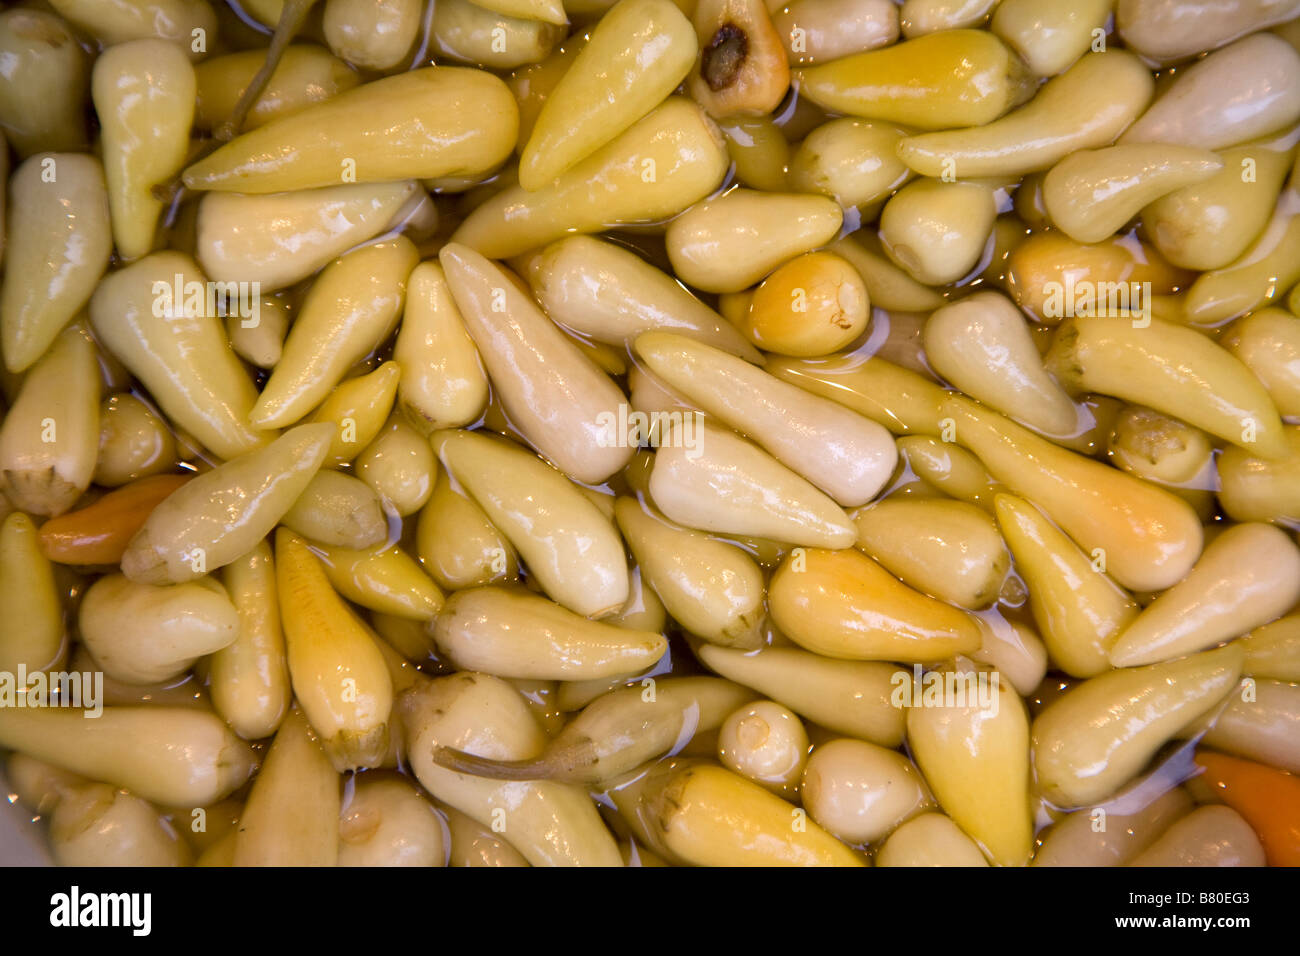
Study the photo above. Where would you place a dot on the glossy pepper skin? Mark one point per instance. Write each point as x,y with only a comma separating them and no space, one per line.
99,533
1269,799
432,122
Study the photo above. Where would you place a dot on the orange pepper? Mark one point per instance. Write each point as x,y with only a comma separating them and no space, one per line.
98,533
1269,800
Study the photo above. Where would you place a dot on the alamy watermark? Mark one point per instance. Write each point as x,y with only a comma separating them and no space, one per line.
954,688
180,299
631,429
133,911
1083,299
71,689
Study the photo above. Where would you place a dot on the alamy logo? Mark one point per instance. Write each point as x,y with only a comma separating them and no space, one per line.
74,908
955,688
73,689
180,299
1083,299
629,429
